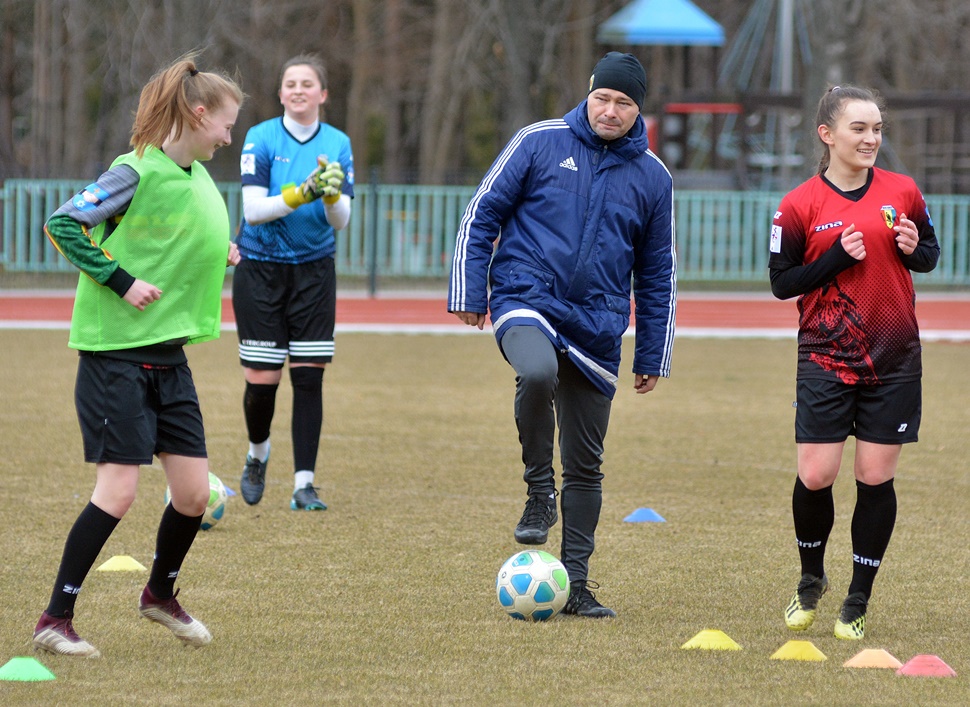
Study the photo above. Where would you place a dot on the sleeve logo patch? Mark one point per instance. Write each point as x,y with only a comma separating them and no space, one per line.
89,198
775,239
247,163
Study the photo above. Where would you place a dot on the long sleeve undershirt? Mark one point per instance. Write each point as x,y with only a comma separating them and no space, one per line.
799,279
259,207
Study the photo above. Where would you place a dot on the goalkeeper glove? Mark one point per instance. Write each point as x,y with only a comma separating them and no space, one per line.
329,181
306,192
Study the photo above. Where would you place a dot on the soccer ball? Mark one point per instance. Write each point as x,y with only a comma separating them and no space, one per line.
217,501
532,586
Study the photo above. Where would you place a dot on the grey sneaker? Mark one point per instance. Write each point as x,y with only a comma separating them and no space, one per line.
170,614
582,602
57,635
306,499
253,480
539,515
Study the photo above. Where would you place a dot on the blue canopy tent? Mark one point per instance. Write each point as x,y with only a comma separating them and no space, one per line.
669,24
661,22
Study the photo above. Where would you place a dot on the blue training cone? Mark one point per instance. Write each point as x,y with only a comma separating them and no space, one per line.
644,515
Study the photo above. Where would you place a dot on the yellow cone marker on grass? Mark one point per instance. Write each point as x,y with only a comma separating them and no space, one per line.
798,650
122,563
711,640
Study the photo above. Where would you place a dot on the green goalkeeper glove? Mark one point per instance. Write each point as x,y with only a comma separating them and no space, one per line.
309,190
329,181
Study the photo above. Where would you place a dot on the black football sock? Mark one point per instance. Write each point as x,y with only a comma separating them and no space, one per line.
259,405
176,533
87,537
307,415
872,527
814,515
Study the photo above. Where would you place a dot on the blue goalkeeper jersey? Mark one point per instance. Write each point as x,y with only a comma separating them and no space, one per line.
274,159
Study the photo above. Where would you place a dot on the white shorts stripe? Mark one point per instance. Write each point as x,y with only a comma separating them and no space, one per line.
260,354
311,348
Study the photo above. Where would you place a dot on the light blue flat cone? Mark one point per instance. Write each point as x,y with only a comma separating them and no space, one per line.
644,515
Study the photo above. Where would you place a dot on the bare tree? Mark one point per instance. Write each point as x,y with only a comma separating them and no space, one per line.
429,89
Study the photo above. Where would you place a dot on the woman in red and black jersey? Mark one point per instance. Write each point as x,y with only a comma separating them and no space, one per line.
844,243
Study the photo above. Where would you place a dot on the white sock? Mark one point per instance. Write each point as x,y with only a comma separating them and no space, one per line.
301,479
259,451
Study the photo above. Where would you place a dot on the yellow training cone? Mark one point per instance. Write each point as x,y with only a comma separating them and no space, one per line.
712,640
872,658
122,563
798,650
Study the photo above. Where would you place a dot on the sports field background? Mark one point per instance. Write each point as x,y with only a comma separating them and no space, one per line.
389,595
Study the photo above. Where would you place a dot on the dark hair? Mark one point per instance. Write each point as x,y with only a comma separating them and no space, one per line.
306,59
168,99
832,104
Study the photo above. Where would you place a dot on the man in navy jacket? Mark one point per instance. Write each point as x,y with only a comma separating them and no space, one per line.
573,214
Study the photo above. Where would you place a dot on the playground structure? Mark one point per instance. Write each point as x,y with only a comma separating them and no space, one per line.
746,124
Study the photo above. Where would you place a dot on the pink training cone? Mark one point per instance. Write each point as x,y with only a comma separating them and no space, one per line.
927,666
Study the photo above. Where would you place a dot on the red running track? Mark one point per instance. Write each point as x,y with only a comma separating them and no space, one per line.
940,316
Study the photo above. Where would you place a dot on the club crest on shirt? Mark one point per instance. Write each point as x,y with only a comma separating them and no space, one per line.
90,198
889,216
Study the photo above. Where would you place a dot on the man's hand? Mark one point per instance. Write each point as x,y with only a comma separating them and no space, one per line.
234,257
329,180
472,318
644,384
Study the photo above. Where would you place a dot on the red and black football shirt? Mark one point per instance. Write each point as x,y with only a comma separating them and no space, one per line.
857,318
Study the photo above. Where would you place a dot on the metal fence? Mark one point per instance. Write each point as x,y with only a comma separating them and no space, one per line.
407,232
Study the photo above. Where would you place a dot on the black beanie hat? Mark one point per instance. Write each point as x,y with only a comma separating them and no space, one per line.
620,72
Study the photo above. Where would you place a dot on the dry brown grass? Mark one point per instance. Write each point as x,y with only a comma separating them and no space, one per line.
389,595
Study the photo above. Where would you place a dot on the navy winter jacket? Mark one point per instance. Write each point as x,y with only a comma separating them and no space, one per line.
577,220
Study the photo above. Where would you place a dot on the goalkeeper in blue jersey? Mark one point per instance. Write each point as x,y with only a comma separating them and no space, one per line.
297,186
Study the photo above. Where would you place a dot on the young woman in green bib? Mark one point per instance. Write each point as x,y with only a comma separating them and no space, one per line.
151,239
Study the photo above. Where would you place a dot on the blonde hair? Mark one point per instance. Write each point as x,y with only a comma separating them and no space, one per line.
832,104
167,101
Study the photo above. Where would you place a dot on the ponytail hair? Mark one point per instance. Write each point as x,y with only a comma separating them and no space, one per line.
830,108
168,101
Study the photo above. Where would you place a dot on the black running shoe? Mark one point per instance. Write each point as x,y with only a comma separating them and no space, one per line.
582,602
253,480
539,515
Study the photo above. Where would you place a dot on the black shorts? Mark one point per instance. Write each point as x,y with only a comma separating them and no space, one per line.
830,411
128,412
284,310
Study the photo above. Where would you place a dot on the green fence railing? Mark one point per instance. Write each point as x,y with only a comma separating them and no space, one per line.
404,232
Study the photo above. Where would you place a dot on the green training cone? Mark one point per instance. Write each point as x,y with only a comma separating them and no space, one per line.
25,669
